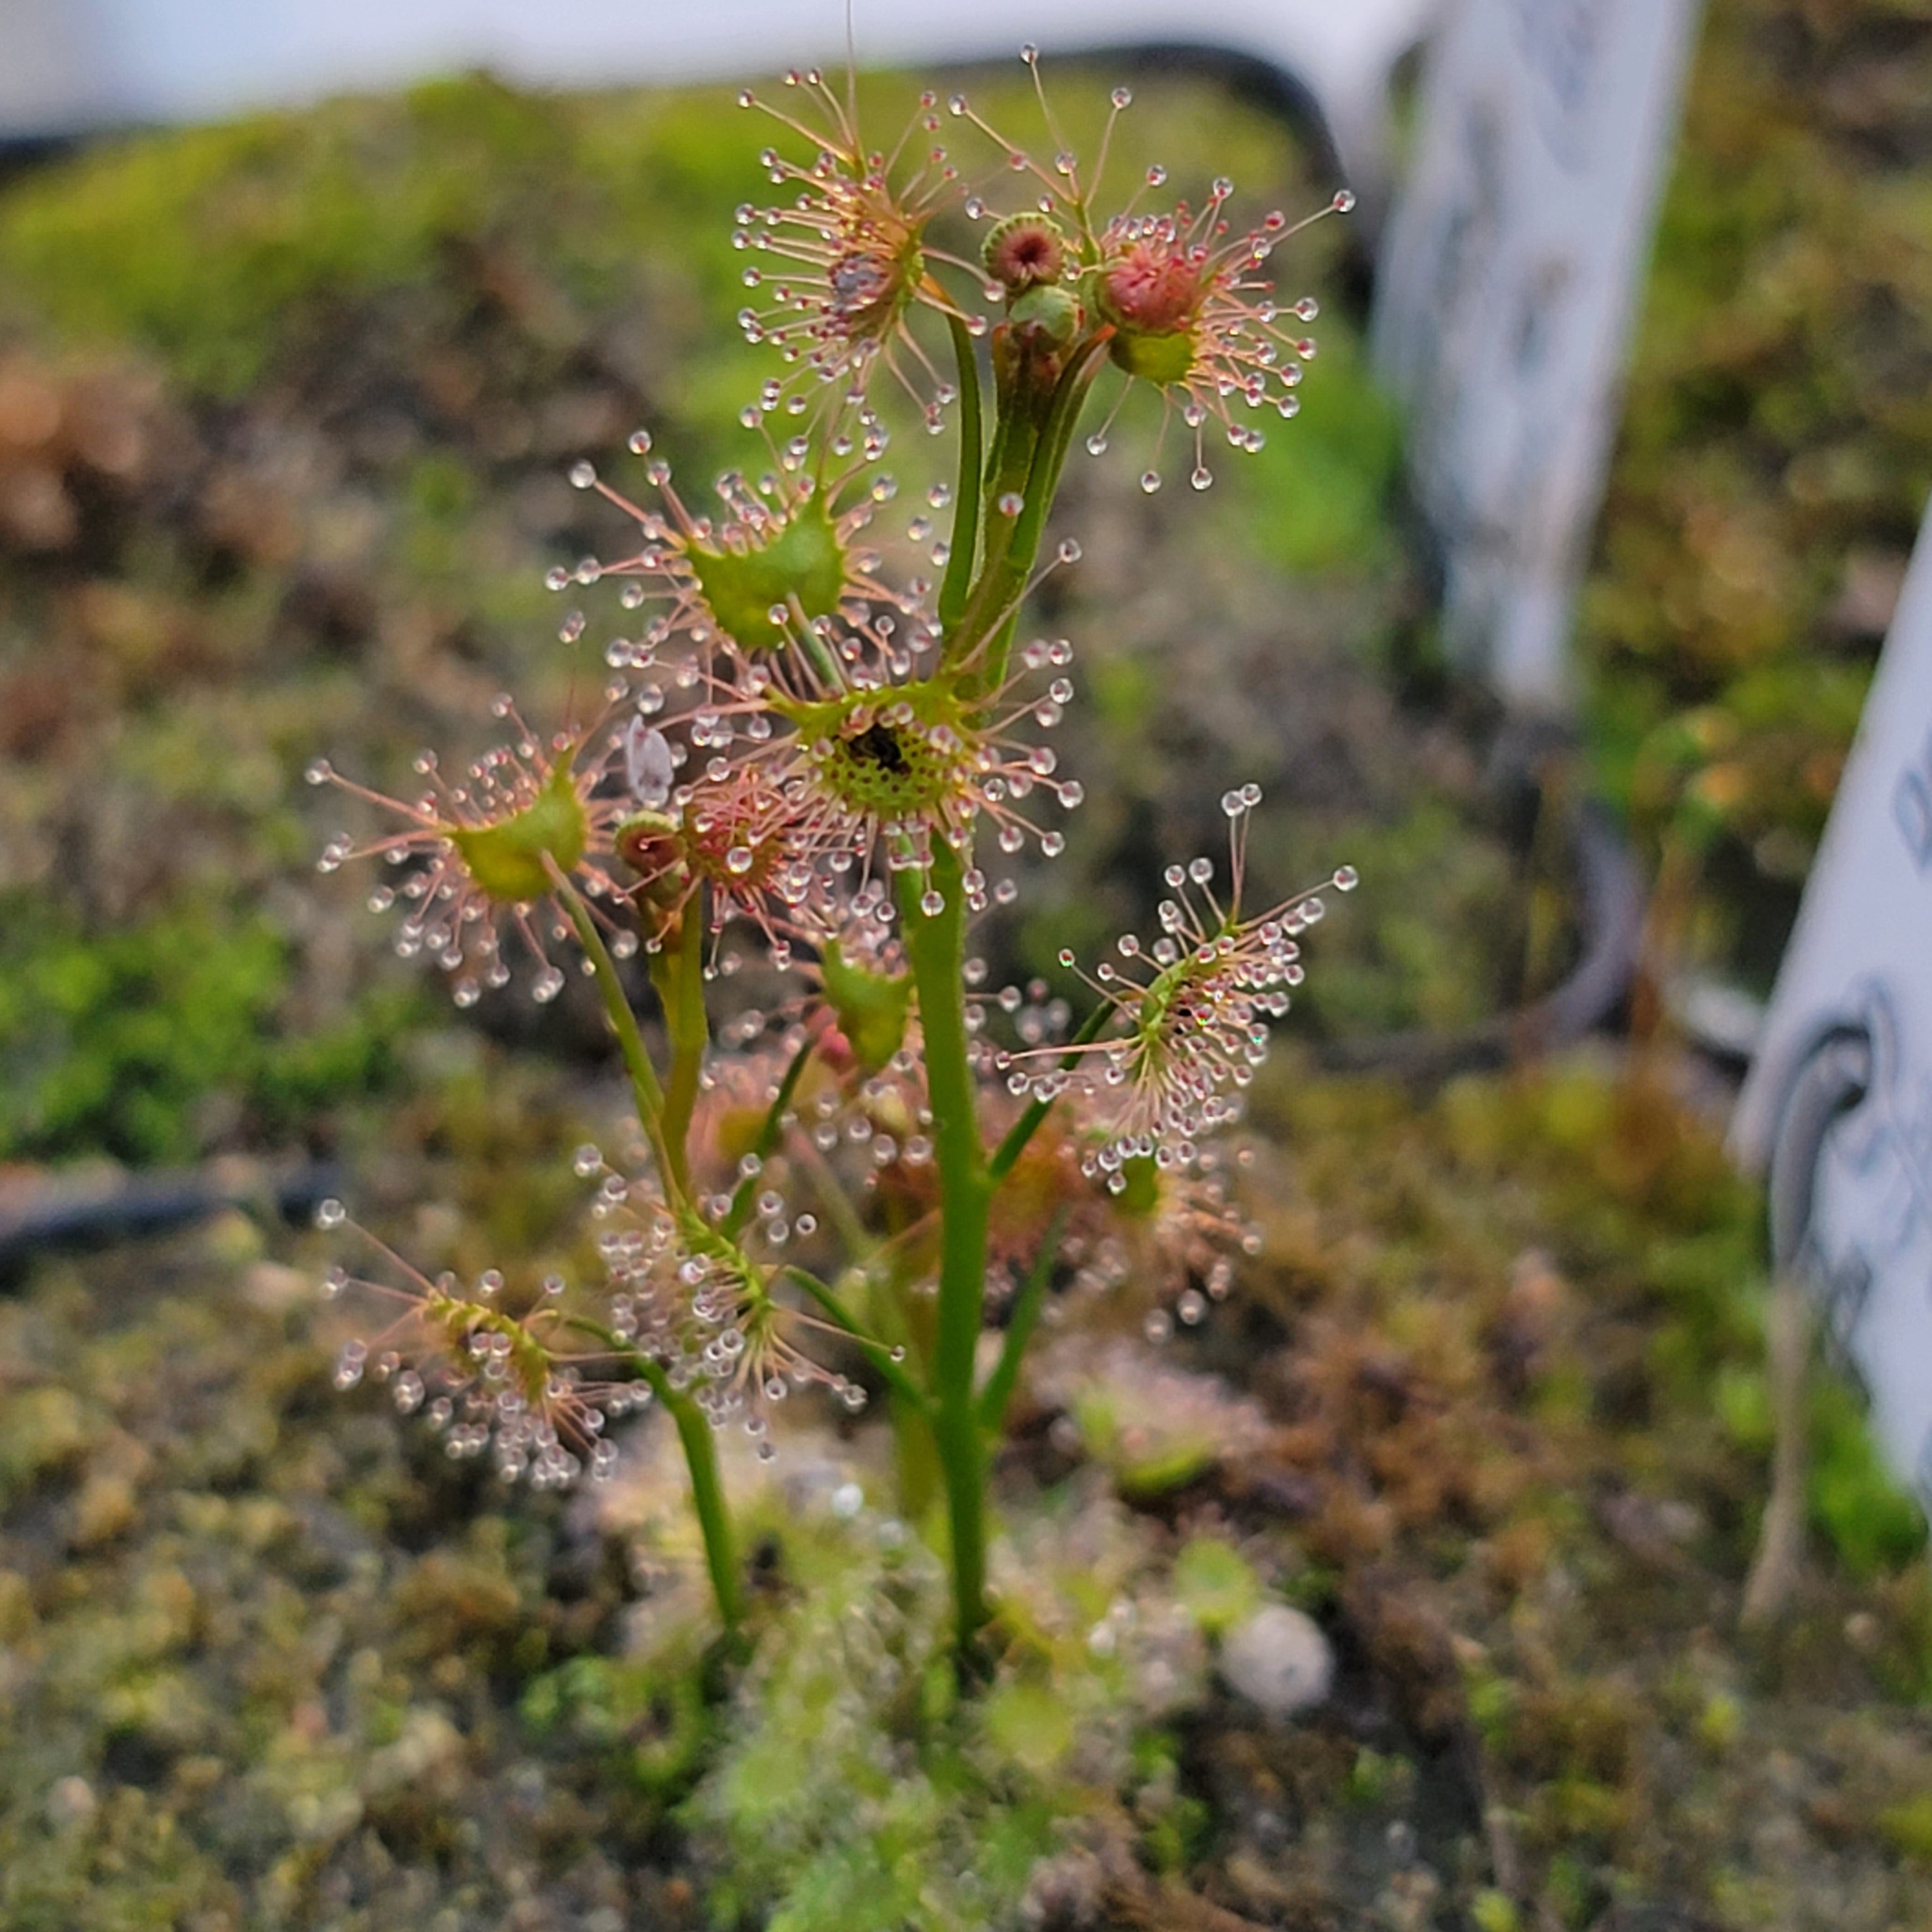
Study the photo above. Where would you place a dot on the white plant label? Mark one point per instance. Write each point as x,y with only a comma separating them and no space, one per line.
1507,280
1838,1109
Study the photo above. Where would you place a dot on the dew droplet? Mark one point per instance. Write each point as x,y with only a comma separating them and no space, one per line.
582,476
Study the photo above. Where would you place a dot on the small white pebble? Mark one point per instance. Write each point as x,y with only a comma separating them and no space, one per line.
1278,1660
71,1801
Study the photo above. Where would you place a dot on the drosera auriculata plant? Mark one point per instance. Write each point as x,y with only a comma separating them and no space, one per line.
834,760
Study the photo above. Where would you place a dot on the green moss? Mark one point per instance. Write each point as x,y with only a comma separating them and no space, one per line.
1029,1724
199,244
851,1785
1420,944
1719,1724
1494,1912
1907,1827
121,1040
46,1430
1873,1526
1372,1776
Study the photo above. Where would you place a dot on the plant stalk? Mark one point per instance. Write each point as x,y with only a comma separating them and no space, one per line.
966,504
645,1091
698,1439
936,946
678,974
1031,463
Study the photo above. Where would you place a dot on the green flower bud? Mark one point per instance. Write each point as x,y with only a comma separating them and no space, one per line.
1050,314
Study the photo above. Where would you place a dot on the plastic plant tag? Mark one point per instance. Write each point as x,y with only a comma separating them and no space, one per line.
1837,1111
1508,275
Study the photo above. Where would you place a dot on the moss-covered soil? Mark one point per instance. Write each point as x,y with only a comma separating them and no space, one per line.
1492,1411
285,409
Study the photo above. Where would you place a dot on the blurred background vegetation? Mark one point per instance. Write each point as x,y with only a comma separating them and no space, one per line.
284,415
285,407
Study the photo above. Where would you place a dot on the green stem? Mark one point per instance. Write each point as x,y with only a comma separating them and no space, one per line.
648,1094
678,974
972,454
1009,463
1021,1322
1034,461
698,1439
936,945
1069,397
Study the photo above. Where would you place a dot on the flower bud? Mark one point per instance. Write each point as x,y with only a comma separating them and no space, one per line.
1153,287
1049,314
1025,251
1152,293
647,841
653,844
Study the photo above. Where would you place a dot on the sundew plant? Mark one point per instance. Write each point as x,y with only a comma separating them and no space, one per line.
833,756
